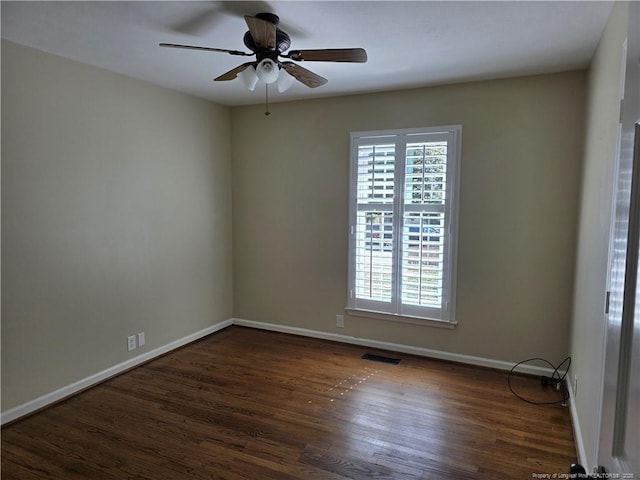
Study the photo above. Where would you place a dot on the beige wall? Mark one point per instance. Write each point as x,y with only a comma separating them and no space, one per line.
587,337
520,176
116,219
116,215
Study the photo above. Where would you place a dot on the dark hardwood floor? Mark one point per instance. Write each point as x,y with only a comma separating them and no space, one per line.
250,404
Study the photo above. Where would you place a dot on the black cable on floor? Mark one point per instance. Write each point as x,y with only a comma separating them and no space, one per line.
556,373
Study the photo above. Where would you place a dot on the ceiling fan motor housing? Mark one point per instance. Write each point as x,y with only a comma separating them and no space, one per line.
283,41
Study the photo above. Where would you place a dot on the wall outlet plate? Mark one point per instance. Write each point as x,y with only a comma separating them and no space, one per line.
131,343
340,321
141,339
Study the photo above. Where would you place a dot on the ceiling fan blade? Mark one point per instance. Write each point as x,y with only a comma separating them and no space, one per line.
354,55
303,75
262,32
208,49
233,73
199,23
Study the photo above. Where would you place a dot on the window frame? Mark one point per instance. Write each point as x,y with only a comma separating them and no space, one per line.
396,310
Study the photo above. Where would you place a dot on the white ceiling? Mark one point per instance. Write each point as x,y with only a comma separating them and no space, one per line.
409,43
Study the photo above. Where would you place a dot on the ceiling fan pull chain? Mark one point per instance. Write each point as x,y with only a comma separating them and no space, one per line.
266,112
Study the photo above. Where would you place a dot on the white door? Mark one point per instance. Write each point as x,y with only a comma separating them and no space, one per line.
619,445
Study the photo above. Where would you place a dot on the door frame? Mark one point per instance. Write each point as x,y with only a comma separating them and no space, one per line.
623,267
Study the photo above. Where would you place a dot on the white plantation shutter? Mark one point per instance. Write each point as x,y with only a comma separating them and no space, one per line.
374,232
402,242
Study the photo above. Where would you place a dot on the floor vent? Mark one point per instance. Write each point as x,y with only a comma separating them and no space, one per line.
381,358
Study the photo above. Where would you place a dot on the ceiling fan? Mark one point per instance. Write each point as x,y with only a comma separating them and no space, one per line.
268,43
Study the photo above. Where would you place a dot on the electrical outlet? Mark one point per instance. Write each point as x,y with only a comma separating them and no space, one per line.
131,343
141,339
340,321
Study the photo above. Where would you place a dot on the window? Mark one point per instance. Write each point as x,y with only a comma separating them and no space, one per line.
402,246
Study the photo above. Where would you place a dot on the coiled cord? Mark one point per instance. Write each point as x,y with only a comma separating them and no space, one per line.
556,373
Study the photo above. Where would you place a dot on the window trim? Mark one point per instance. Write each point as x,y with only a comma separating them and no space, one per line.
395,317
445,317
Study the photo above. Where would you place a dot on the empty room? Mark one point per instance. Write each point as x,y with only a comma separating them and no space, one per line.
320,240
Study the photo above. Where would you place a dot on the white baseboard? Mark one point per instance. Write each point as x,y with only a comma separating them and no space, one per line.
69,390
396,347
577,431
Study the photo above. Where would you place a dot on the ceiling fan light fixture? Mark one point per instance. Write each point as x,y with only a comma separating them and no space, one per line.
249,77
285,80
267,71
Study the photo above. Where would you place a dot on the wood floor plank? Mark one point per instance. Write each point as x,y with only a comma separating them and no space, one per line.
247,404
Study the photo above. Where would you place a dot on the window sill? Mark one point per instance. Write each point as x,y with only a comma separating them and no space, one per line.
400,318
